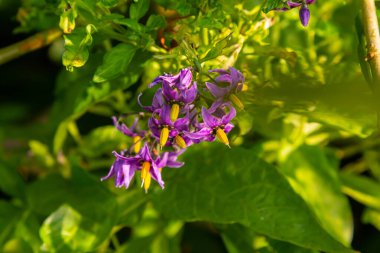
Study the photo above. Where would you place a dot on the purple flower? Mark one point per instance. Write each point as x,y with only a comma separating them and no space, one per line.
133,132
304,10
180,81
179,90
215,126
124,168
162,128
235,83
157,103
169,159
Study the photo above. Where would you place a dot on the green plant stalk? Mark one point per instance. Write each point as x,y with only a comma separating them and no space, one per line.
30,44
371,30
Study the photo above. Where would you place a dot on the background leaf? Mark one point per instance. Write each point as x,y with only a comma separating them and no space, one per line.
316,179
234,185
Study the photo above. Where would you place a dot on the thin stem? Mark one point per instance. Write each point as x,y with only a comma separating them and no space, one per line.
371,29
30,44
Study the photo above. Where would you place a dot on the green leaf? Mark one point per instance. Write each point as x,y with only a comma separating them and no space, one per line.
91,206
372,216
217,49
238,238
65,231
272,4
76,47
115,63
156,22
362,189
139,9
312,175
11,181
9,216
109,3
227,186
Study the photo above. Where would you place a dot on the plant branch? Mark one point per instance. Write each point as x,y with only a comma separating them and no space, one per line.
30,44
371,29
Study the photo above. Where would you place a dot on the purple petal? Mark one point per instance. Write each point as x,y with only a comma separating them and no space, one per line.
185,78
123,128
293,5
153,125
228,128
129,172
169,93
156,175
182,124
208,119
228,117
220,71
203,134
310,1
225,78
304,16
190,94
145,153
216,91
165,115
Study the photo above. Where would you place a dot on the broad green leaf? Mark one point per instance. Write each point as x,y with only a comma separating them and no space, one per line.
115,63
138,9
11,181
27,229
94,206
238,238
372,216
66,230
9,216
362,189
235,186
312,175
17,245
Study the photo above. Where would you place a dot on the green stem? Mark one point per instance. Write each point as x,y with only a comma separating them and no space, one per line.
30,44
371,29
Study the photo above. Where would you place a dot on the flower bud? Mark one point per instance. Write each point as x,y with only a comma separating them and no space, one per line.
304,15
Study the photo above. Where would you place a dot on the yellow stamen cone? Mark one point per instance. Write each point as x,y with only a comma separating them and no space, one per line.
174,112
164,135
236,101
136,143
145,168
180,141
222,136
245,87
147,181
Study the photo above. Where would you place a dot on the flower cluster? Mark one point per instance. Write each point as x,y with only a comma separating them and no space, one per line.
304,10
176,122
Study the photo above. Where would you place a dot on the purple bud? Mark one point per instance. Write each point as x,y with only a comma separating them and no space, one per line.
304,15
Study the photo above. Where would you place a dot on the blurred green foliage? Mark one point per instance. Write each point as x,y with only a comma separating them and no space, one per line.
303,151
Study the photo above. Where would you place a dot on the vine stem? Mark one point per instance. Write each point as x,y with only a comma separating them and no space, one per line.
30,44
371,29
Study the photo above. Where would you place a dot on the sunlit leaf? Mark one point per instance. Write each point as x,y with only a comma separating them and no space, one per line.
115,63
227,186
362,189
316,179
